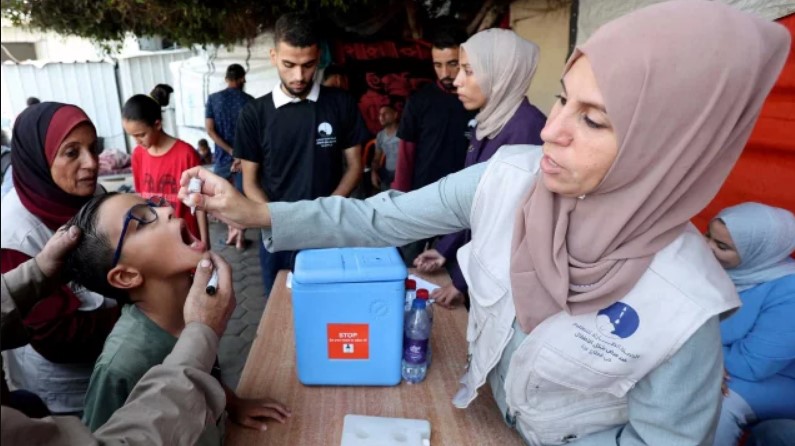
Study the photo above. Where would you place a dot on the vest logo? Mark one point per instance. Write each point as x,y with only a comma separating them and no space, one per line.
472,123
325,129
618,321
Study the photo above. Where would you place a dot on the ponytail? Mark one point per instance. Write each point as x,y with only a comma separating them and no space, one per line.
161,93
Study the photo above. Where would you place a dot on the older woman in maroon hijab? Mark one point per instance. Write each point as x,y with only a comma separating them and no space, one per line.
594,301
55,163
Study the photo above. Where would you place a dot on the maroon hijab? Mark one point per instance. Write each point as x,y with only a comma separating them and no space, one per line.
38,132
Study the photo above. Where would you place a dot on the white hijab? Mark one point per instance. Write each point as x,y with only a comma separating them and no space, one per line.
504,65
765,239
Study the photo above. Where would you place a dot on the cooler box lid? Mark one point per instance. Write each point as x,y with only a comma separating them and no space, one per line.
346,265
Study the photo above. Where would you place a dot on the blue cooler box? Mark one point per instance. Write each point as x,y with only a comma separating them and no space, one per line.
348,310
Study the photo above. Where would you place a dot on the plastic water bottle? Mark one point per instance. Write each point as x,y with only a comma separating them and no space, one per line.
422,294
411,285
415,343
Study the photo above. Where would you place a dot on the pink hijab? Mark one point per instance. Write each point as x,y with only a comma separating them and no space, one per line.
683,83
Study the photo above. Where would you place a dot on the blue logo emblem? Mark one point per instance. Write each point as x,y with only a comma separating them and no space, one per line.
617,321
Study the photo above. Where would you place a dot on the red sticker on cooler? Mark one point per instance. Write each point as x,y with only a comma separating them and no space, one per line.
348,341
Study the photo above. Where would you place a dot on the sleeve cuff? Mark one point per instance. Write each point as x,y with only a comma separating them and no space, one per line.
276,209
267,238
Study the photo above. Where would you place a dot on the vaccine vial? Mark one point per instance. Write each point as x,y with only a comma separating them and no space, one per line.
194,186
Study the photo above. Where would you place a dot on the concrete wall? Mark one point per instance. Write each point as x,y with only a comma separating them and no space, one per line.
52,47
547,24
595,13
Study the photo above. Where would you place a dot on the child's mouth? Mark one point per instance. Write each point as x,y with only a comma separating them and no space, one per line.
190,240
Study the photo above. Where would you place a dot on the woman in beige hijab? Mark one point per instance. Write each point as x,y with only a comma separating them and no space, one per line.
497,67
595,302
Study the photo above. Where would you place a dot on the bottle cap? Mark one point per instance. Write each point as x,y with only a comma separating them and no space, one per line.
195,185
411,284
422,293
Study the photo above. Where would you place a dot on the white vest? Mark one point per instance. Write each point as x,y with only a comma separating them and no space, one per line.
61,386
570,376
24,232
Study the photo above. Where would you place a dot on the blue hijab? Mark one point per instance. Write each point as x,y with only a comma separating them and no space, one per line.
765,239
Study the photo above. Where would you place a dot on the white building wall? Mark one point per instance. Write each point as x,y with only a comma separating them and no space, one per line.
52,47
90,85
196,78
139,73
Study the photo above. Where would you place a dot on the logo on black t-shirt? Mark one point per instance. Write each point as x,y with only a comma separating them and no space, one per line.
470,125
325,135
325,129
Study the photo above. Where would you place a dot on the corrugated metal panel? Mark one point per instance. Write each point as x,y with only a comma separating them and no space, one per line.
90,85
139,74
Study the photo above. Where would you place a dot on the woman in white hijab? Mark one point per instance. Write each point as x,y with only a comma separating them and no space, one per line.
754,243
497,67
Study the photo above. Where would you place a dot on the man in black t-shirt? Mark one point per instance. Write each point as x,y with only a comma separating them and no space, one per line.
292,141
435,127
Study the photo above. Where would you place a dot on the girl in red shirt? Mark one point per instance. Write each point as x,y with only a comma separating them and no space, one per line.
159,159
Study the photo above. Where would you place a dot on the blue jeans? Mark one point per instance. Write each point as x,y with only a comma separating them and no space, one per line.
773,433
223,169
237,178
270,264
735,416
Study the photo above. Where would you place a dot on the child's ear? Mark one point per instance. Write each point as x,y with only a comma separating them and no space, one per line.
125,278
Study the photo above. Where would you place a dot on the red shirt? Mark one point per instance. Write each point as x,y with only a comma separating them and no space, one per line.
159,175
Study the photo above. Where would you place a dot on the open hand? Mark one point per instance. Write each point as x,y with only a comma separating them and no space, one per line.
252,413
448,296
51,257
429,261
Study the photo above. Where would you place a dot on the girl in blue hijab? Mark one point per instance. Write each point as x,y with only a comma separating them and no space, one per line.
754,243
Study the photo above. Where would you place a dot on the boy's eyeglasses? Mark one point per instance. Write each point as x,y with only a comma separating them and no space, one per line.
143,213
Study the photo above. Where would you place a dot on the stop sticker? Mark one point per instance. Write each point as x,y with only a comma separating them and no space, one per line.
348,341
